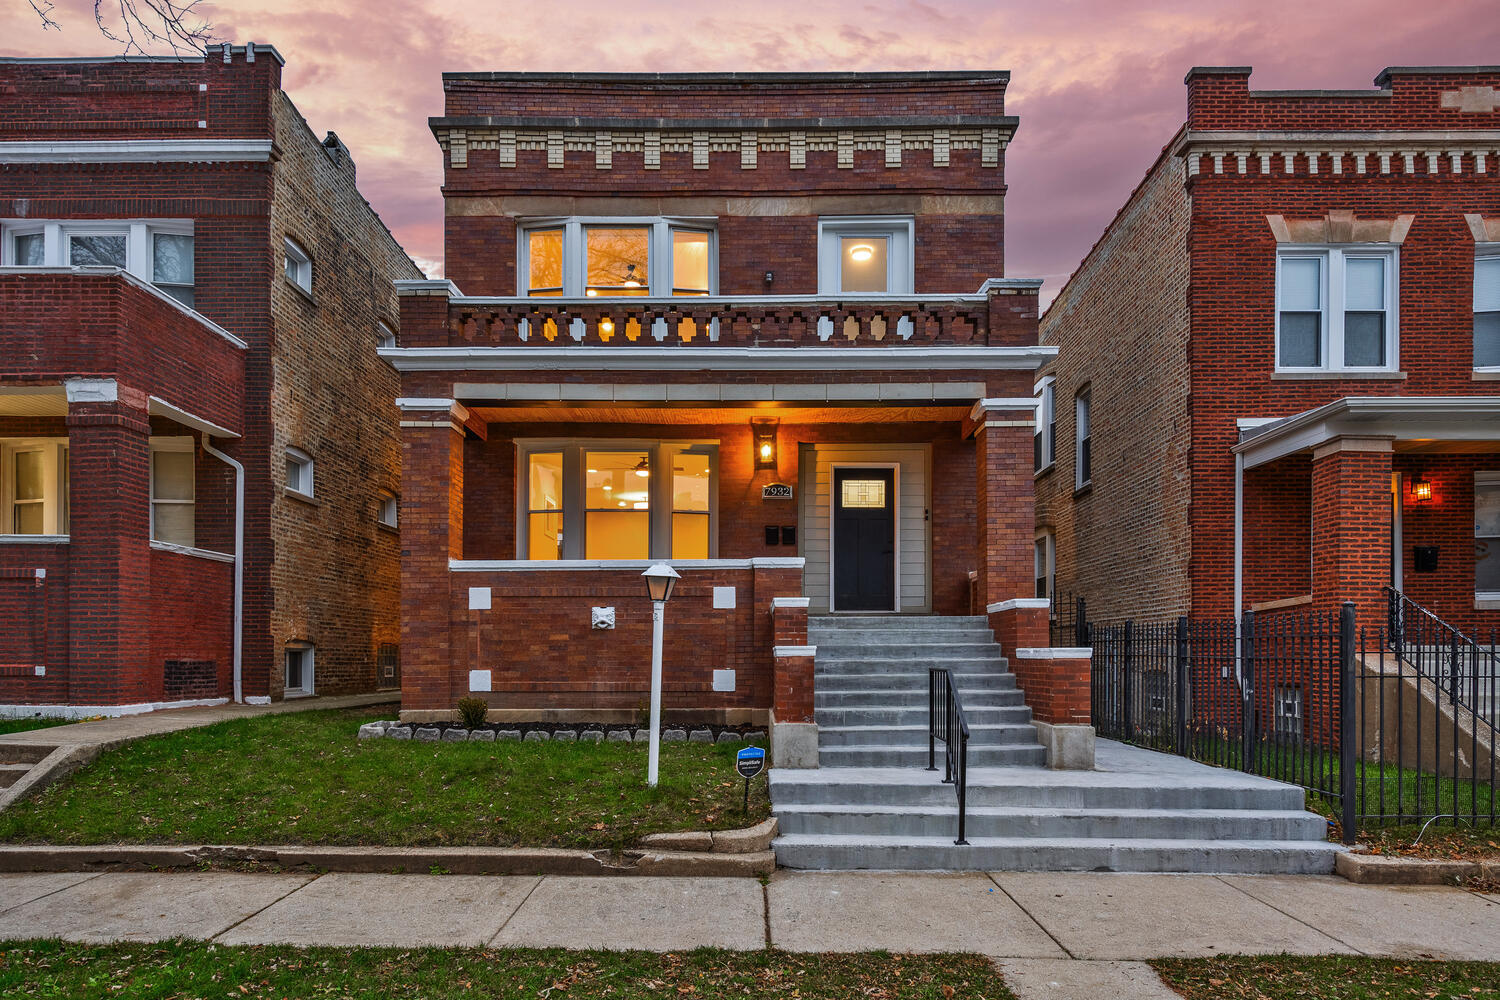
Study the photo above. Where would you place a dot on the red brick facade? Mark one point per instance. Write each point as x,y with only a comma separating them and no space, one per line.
129,622
1186,275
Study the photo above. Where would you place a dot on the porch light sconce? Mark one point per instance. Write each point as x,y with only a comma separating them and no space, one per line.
763,436
1421,490
660,579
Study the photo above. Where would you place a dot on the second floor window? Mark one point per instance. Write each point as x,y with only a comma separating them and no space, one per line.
1083,452
578,258
1487,311
1044,438
160,252
866,255
1335,309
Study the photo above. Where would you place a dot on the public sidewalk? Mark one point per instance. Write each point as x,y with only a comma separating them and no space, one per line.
1054,935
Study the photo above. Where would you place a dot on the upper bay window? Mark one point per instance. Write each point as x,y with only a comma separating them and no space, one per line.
1336,309
160,252
865,255
617,500
1487,309
578,258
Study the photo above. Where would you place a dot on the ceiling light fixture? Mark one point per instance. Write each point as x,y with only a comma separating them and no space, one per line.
861,252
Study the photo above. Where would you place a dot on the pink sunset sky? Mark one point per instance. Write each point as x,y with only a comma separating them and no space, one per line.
1097,83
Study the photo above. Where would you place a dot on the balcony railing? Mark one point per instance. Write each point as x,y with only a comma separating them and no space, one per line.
732,321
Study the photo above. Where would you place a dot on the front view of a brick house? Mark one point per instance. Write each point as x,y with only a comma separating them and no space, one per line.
755,325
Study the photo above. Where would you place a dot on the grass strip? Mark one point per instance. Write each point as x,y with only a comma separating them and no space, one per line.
1334,977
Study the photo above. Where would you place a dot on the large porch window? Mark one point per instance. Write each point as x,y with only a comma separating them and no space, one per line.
617,500
1487,536
158,251
613,257
34,486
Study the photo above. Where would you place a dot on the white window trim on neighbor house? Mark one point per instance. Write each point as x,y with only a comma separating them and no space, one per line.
1487,255
306,651
1045,436
1083,434
171,444
575,247
898,230
1488,479
1044,562
54,452
297,266
386,511
139,248
385,334
574,513
1332,262
303,484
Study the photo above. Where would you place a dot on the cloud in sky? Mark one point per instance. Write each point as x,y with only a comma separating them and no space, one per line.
1097,83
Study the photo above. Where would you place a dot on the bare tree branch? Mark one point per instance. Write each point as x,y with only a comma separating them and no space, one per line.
136,24
43,10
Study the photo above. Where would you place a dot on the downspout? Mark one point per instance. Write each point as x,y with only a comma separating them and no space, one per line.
239,561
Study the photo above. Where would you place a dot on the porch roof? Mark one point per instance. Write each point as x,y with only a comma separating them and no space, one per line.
1411,423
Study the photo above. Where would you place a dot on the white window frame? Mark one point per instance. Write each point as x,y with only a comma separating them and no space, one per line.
309,686
1288,715
1083,414
659,456
306,484
1485,479
900,230
54,451
139,236
1332,262
1484,251
297,266
1044,561
1044,437
387,509
172,444
575,250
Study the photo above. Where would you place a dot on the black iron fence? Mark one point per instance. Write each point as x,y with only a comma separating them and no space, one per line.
946,725
1383,729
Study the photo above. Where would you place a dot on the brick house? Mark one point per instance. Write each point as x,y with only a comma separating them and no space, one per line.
1276,387
195,428
753,325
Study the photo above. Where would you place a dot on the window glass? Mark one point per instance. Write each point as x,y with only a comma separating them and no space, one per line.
1364,312
172,508
863,263
544,252
172,265
617,496
1487,535
99,250
1487,312
1301,312
31,250
544,527
689,262
1084,459
862,493
690,506
617,260
29,507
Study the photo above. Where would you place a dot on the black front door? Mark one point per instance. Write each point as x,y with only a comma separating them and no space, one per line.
864,539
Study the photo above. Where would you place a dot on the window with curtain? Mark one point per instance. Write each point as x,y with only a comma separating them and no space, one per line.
1487,311
1487,534
1083,452
34,486
172,496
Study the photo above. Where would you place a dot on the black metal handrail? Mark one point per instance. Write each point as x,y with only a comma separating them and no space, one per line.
946,722
1460,667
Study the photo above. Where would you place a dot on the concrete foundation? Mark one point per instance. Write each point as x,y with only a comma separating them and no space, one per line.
1069,748
794,744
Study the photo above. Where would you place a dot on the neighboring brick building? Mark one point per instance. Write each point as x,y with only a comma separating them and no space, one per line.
1292,326
189,279
682,313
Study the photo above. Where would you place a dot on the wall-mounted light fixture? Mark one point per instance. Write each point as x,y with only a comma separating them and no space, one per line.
1421,490
763,437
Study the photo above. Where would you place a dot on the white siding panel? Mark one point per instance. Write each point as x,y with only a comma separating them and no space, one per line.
912,525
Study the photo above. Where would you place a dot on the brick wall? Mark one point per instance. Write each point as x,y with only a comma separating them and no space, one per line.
33,623
336,576
1278,530
1446,521
192,622
1121,324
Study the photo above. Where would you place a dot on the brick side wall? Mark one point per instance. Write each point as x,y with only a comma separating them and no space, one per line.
1278,526
1121,325
33,623
192,619
1413,101
1446,521
336,571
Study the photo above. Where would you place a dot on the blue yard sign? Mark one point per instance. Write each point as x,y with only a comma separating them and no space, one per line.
750,761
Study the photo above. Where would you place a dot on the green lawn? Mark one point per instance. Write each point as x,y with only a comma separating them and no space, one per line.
304,779
1328,978
181,969
26,725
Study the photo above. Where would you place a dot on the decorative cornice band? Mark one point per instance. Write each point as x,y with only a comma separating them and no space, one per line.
747,140
1449,153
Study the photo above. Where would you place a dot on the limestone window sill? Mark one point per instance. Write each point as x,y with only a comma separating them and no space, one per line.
1339,376
1044,470
1487,602
300,290
1487,374
389,529
301,497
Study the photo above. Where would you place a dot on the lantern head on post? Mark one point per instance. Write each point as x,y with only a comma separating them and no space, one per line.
660,579
1421,490
763,437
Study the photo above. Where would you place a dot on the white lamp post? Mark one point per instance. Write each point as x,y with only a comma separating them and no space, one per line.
660,579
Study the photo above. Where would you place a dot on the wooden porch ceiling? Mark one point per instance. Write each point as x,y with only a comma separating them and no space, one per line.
1447,447
655,413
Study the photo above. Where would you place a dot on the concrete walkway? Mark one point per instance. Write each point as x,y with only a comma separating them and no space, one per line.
1055,935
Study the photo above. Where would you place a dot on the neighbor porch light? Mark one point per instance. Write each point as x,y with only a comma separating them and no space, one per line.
1421,490
763,437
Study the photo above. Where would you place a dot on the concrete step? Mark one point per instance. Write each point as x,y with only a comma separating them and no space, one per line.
858,636
1255,857
914,665
885,649
912,681
895,621
974,698
1051,824
916,715
31,753
980,736
887,755
12,773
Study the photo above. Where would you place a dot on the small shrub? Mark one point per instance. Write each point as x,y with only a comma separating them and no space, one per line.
472,711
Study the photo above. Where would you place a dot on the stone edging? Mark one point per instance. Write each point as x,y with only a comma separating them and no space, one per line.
750,840
385,860
1380,869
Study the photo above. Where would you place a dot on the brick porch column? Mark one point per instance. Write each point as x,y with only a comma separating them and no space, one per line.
794,731
1351,525
432,523
109,549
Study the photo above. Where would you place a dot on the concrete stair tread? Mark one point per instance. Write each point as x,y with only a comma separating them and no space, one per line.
844,808
1031,843
921,728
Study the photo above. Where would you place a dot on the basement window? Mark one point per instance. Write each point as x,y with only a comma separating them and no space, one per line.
297,662
1288,723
